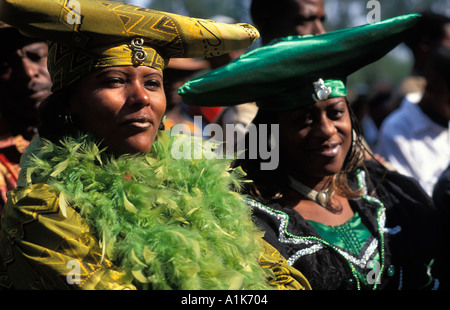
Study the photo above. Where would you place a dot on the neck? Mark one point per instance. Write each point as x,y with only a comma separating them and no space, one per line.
320,195
315,183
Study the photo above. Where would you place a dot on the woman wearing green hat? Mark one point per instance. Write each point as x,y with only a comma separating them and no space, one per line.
343,222
100,202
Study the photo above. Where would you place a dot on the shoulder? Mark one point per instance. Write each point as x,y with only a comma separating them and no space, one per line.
395,190
36,198
40,208
47,244
268,217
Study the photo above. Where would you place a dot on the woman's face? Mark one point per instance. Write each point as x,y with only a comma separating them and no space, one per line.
121,105
315,140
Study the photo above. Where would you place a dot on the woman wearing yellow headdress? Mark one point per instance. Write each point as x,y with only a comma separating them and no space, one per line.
101,202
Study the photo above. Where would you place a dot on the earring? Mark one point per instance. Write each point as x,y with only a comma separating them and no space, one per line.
68,119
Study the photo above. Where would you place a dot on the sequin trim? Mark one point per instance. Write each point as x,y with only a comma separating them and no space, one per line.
284,235
303,252
314,244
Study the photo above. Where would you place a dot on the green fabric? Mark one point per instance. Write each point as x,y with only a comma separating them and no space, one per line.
166,223
101,36
280,76
351,236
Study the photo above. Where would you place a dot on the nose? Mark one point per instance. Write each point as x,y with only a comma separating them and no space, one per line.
138,95
325,128
318,27
28,69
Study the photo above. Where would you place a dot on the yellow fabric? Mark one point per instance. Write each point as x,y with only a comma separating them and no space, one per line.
42,245
88,34
67,66
286,277
45,248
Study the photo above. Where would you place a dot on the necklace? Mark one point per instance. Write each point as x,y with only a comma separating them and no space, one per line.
321,197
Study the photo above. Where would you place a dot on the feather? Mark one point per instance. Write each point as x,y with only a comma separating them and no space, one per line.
128,205
167,223
62,203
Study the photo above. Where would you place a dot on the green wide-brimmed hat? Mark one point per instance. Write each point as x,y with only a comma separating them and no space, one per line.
299,70
85,35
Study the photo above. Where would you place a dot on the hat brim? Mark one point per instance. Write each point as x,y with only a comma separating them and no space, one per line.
285,68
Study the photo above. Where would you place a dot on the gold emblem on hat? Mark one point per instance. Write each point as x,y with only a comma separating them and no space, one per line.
139,54
321,91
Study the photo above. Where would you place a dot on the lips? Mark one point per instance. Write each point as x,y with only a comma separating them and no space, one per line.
328,150
40,95
140,122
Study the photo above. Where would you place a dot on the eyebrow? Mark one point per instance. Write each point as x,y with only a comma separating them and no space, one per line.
310,108
338,102
110,71
124,73
36,49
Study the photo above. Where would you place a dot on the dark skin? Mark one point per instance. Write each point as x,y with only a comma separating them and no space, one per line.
426,46
319,135
298,17
24,82
435,102
121,105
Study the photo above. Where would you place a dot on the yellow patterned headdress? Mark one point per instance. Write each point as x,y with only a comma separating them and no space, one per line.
84,35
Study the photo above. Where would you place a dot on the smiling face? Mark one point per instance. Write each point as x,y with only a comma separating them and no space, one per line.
121,105
315,140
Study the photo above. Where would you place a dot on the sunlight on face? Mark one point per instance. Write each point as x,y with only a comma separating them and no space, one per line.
315,140
121,105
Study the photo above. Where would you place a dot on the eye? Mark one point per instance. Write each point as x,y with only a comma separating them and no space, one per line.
153,84
113,82
36,57
335,114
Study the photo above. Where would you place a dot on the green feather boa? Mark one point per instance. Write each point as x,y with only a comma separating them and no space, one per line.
168,224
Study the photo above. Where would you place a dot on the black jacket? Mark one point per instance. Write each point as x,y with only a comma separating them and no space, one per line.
405,228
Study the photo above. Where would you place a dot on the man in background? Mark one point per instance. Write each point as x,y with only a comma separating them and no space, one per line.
415,138
24,84
275,19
